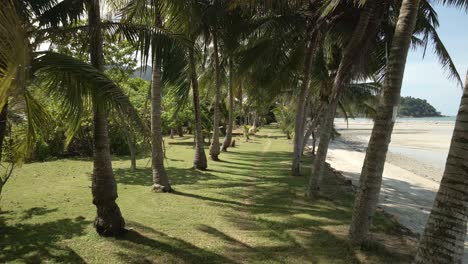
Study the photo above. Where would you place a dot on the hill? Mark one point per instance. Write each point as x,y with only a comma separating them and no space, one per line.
415,107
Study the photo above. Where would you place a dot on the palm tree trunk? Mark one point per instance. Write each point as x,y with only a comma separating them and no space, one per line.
362,33
315,181
215,146
228,138
180,131
109,220
160,179
130,140
3,127
371,174
132,148
444,236
301,110
199,162
315,119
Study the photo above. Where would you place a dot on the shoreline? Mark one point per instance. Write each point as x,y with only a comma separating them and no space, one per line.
413,169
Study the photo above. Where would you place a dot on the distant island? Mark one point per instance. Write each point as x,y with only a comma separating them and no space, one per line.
415,107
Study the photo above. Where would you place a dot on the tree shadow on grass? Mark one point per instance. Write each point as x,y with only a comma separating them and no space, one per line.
182,143
292,246
271,137
147,245
28,214
178,176
35,243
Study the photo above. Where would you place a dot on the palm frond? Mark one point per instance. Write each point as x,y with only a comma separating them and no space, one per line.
78,84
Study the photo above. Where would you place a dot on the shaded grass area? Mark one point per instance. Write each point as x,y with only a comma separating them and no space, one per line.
245,209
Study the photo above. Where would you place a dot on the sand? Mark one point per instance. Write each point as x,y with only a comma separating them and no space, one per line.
413,170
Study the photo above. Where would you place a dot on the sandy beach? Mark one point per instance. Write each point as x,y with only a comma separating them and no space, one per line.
414,166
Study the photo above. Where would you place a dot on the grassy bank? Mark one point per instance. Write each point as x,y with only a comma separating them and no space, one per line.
245,209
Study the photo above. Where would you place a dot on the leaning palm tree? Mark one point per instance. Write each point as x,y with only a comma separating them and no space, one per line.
366,200
384,121
444,236
363,33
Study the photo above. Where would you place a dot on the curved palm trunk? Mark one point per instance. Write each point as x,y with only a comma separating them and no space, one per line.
444,236
310,130
228,138
315,180
109,220
371,174
199,162
215,146
3,127
354,50
301,111
160,179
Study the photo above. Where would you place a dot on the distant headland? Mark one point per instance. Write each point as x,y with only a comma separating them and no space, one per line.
415,107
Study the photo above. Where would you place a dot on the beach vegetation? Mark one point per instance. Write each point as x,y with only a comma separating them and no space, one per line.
415,107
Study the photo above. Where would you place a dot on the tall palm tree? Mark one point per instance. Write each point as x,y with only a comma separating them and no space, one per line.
363,33
199,161
301,106
228,138
370,181
234,24
109,220
215,145
160,178
444,236
366,199
148,20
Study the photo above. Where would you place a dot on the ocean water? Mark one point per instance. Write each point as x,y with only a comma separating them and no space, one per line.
427,119
444,119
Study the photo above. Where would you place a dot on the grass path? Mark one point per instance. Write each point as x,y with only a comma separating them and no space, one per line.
245,209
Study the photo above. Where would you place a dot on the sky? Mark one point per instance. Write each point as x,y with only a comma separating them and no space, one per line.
425,78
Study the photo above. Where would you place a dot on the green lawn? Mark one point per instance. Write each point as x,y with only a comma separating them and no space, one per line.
245,209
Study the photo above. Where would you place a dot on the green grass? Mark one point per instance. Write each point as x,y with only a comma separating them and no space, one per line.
245,209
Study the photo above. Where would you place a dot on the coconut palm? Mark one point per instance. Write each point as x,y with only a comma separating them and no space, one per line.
371,174
383,124
444,236
215,145
136,14
363,33
228,138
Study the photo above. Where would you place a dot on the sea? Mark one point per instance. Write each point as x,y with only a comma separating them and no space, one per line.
430,119
442,119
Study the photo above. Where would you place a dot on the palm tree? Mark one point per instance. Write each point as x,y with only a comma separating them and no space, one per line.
199,161
444,236
233,25
215,145
228,138
302,106
109,220
160,178
363,33
147,19
371,175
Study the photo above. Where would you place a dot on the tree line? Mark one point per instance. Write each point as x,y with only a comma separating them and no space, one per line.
303,60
